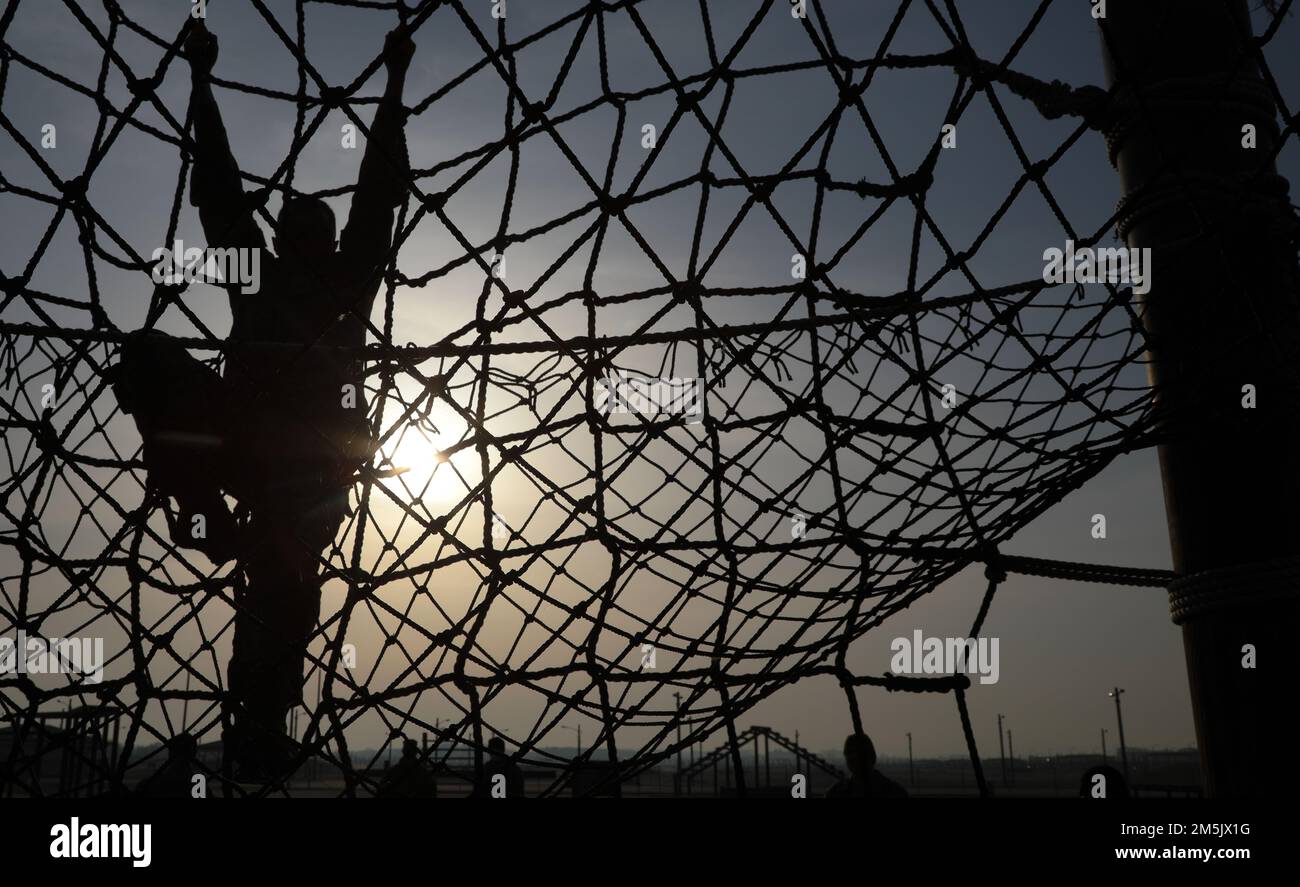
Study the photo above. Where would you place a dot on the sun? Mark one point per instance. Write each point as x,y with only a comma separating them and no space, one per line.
416,452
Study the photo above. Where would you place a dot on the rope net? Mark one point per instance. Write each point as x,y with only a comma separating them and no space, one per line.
841,448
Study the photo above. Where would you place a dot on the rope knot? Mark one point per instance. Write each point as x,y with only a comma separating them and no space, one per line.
688,99
613,204
532,112
333,96
74,189
434,202
688,292
994,570
1193,596
142,87
858,547
851,92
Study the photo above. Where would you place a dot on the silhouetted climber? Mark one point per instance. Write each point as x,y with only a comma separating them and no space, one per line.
285,430
864,781
500,765
1103,781
411,778
175,778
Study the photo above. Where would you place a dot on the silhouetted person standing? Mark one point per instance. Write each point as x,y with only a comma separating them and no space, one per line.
864,781
1103,781
500,772
175,778
410,778
285,429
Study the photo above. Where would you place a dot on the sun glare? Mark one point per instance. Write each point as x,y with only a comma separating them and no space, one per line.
417,450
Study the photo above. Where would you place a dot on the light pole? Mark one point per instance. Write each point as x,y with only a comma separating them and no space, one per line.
1002,751
911,766
678,697
1123,749
1011,748
579,730
1103,745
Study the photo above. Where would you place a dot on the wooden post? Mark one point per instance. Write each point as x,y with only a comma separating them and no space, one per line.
1223,327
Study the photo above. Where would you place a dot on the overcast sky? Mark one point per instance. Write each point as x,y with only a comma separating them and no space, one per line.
1062,644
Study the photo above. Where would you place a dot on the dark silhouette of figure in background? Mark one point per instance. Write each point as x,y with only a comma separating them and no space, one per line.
500,764
411,778
864,781
1111,785
175,778
285,429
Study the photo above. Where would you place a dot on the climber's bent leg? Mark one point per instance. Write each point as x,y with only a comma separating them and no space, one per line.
179,408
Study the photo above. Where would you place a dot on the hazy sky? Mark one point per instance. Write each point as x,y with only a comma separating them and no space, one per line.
1062,644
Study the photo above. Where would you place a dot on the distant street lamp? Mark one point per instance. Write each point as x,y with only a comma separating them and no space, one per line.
1011,748
911,767
1123,749
678,697
1002,751
579,729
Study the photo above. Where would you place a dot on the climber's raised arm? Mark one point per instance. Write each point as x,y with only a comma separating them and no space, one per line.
382,182
215,187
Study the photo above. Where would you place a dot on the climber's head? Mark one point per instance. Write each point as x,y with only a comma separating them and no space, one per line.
305,229
859,754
